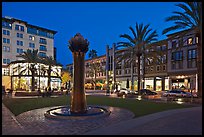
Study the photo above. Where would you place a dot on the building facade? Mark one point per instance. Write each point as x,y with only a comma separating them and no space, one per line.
174,67
182,61
17,37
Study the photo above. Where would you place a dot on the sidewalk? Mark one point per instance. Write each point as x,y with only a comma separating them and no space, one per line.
186,121
10,126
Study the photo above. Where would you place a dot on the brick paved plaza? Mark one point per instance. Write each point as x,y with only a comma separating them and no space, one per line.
34,123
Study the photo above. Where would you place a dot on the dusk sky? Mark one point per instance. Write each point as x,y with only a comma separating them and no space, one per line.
99,22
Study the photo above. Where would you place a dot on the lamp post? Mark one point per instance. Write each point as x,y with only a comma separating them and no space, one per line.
78,46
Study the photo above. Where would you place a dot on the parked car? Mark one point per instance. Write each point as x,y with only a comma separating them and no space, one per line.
124,91
147,92
178,93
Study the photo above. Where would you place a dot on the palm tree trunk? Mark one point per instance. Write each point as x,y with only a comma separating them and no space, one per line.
132,79
49,77
32,83
19,77
138,74
94,79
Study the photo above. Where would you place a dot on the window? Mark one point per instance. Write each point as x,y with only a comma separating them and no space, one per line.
19,51
192,54
163,47
19,35
31,37
43,48
19,27
164,67
50,35
6,32
151,68
192,64
43,41
42,33
190,41
6,61
6,25
31,30
196,40
6,49
31,45
158,68
6,72
174,44
158,48
42,54
173,66
163,59
177,56
5,40
20,43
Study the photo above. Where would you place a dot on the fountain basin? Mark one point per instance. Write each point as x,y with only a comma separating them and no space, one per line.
63,112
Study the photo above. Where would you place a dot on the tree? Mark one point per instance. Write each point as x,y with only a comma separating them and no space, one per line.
66,77
49,60
92,54
136,46
191,20
31,57
94,67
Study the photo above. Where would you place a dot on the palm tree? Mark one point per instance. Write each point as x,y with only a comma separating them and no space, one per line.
92,54
50,62
94,68
191,20
136,46
31,56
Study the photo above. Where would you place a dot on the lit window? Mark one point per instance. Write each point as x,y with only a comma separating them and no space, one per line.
190,41
19,27
6,48
31,38
196,39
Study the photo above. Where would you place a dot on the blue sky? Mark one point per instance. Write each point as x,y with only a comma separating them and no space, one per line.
99,22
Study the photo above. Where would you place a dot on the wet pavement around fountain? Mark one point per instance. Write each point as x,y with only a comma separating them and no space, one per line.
34,122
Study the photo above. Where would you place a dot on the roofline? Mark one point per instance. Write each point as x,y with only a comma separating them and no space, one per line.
175,33
89,59
27,24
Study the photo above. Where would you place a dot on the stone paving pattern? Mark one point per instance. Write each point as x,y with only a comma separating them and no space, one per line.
34,123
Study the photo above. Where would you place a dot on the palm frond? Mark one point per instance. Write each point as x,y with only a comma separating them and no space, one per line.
127,37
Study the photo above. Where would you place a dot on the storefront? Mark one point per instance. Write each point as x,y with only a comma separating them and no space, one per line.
21,77
185,82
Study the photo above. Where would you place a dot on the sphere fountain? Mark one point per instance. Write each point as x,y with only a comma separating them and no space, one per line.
78,107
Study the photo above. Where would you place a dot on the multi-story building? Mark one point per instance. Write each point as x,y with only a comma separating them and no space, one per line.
156,77
174,67
17,37
182,61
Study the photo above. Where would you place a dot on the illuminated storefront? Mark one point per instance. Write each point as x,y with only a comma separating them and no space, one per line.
21,76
